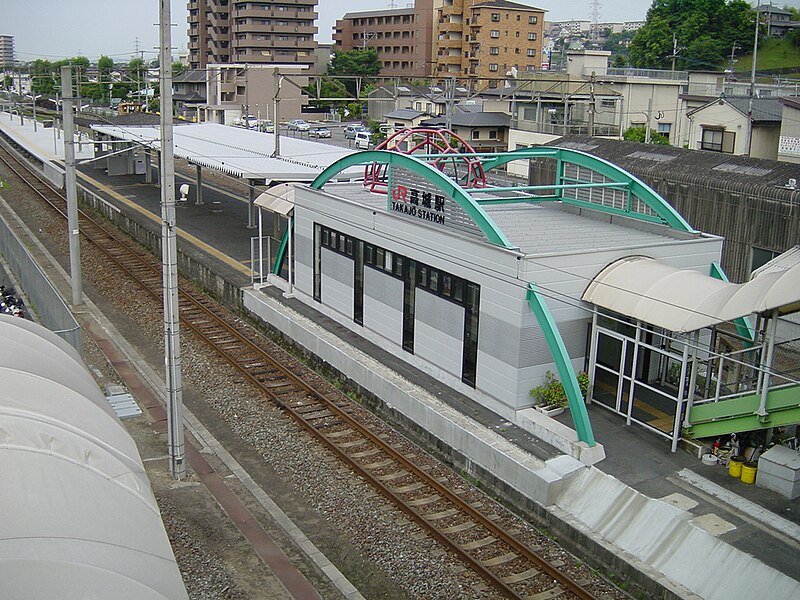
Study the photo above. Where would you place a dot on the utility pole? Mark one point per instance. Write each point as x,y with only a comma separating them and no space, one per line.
749,139
70,182
674,50
278,79
734,48
20,95
591,104
169,251
647,133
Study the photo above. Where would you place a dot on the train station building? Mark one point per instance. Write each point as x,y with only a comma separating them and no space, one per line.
495,290
489,289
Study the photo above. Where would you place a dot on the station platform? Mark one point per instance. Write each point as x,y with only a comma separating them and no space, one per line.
687,526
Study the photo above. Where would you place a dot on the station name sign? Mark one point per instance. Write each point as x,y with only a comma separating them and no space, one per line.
413,196
421,204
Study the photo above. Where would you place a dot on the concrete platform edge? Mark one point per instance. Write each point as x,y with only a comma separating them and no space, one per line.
580,501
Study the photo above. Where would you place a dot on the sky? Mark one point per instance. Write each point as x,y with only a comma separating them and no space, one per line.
55,29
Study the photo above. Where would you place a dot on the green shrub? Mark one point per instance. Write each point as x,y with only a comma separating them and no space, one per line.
551,392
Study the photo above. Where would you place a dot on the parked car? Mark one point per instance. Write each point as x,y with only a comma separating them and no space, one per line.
362,140
248,121
351,130
298,125
320,132
266,126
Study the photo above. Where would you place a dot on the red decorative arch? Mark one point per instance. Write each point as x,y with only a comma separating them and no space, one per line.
441,148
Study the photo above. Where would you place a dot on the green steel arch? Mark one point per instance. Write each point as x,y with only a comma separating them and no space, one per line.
637,187
489,228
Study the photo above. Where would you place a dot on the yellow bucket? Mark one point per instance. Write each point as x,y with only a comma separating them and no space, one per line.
735,466
749,472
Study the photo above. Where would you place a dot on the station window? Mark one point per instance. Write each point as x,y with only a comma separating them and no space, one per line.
414,275
337,242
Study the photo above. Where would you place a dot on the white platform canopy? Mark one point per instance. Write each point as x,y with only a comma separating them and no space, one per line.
278,199
79,519
241,152
679,300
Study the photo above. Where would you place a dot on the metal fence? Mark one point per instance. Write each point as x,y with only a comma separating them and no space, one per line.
42,297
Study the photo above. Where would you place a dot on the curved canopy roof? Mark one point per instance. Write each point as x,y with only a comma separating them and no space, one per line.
679,300
79,518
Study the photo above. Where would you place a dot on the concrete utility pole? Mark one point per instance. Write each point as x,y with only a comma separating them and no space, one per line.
674,50
169,251
591,104
749,139
70,182
278,79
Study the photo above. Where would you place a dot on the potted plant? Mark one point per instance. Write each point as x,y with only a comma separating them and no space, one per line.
550,397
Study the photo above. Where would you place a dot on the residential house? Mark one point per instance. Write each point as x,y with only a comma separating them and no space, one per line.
778,21
737,126
484,131
189,92
404,118
789,141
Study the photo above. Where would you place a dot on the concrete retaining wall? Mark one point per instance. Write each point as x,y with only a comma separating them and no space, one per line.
482,449
661,539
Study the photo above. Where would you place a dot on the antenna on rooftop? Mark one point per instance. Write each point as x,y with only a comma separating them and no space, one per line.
392,4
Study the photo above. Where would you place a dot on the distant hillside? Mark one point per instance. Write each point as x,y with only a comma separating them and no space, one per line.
773,55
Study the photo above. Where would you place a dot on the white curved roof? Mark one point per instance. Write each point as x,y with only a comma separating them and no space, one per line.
679,300
79,518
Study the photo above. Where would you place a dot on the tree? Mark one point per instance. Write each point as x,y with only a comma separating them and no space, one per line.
178,68
794,11
639,134
104,67
42,80
137,70
361,61
704,30
328,88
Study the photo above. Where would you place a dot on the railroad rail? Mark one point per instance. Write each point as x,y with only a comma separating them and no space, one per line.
506,564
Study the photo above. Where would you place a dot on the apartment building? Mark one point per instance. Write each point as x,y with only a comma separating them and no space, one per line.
6,50
245,32
234,91
486,39
403,37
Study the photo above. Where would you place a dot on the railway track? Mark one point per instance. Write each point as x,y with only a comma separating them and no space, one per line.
507,565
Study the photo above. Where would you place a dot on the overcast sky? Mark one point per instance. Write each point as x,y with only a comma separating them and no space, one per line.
56,29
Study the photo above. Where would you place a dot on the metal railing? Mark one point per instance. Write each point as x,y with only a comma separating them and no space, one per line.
648,73
602,130
43,298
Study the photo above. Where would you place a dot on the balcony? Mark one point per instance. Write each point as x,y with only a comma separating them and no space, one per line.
218,20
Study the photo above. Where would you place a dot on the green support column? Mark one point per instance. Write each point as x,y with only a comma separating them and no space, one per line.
580,416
